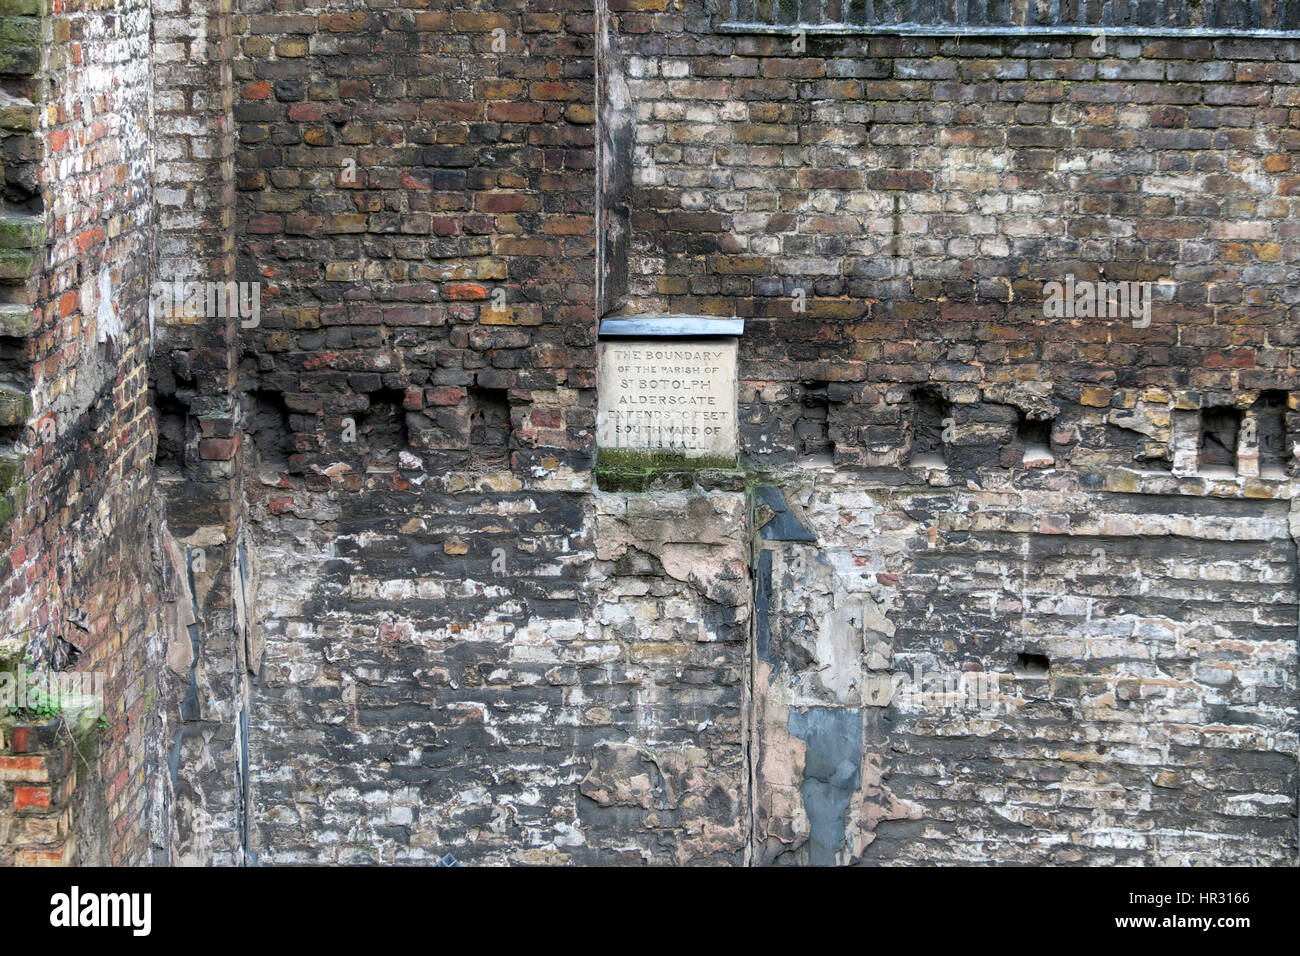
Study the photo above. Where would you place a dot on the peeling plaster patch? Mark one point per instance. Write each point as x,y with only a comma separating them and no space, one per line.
106,319
816,628
179,608
698,540
823,650
662,783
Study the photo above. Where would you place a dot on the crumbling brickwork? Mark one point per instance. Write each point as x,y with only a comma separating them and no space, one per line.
38,780
419,188
888,211
211,645
995,577
416,188
1136,647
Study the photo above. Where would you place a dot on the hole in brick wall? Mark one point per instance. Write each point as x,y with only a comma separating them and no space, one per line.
1274,450
489,425
381,428
60,654
1130,445
10,435
1032,665
1218,445
929,409
20,191
171,412
13,378
18,198
1034,436
14,368
812,437
266,419
14,361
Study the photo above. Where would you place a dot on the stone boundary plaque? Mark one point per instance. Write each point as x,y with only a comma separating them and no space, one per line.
668,394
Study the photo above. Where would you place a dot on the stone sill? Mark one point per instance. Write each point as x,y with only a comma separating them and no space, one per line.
627,470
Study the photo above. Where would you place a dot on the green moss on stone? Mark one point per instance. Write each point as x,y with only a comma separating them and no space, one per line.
624,469
16,264
15,406
23,8
21,232
11,467
627,458
15,320
19,60
21,31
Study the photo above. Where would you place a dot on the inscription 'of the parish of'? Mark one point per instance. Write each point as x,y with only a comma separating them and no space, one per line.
668,396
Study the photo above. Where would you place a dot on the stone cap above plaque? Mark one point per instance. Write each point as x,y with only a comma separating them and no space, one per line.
653,326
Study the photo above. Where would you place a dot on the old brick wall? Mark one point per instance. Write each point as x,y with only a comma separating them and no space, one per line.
211,639
919,192
417,188
452,664
470,650
347,568
78,584
1089,495
38,785
1158,726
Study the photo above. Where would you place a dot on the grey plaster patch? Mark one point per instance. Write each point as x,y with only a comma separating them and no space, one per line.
832,774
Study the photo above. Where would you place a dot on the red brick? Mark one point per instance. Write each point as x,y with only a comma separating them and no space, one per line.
25,797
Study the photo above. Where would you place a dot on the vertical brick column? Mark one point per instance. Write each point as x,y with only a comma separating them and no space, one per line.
194,376
76,438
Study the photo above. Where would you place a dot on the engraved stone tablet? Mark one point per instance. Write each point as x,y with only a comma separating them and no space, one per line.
668,394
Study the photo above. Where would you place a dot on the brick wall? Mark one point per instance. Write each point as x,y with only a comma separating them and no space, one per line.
77,583
37,782
348,567
1082,507
917,194
420,206
200,454
469,650
1137,654
416,188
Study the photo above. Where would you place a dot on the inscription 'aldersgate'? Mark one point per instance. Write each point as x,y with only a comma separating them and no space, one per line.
655,397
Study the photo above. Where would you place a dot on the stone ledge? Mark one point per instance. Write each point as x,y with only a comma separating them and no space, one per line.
18,115
21,232
20,39
24,8
16,265
625,470
15,406
16,320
